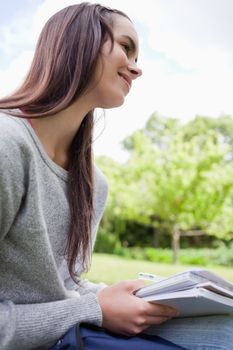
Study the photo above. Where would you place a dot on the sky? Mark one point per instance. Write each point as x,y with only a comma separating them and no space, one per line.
186,54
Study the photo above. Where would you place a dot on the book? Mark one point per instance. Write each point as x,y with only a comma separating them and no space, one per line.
196,292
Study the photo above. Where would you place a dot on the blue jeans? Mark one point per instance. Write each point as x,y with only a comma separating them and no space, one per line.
87,337
198,333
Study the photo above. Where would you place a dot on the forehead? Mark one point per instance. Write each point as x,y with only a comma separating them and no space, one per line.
122,26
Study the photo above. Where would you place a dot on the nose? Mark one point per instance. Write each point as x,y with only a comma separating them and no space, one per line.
135,71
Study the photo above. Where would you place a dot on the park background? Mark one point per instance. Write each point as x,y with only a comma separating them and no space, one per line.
167,152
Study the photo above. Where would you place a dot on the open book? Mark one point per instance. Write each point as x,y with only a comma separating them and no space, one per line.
193,293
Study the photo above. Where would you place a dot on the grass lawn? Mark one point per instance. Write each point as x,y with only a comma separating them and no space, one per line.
110,269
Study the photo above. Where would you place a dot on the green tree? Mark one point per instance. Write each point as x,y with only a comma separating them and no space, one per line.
179,178
186,184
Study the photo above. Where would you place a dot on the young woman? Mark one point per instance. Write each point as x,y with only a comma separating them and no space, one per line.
52,196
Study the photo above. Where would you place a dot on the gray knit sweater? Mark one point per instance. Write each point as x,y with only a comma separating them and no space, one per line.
38,300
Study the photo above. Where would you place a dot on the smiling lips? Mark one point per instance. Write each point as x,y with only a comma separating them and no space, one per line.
126,79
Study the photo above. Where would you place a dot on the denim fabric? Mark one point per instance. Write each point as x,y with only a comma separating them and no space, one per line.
198,333
94,339
191,333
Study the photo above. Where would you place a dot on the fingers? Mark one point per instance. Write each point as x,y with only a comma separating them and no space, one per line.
153,309
125,313
155,314
161,310
140,326
153,320
133,285
150,314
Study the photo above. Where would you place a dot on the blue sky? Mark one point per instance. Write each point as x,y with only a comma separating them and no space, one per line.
186,55
9,10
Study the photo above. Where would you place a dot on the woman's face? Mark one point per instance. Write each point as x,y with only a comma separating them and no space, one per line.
117,67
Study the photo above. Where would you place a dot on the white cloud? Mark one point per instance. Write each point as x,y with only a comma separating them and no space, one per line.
11,77
45,11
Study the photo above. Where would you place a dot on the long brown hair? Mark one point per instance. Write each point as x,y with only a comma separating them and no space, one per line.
64,62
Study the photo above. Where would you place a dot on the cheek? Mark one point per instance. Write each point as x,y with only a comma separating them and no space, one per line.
118,57
122,58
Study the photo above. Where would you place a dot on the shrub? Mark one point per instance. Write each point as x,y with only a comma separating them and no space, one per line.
158,255
221,255
106,242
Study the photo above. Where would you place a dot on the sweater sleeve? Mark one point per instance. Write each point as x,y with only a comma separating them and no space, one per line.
25,327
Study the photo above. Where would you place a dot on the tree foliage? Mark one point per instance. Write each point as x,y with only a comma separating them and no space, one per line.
178,177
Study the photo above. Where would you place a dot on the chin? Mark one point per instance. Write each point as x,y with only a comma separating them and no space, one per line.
114,103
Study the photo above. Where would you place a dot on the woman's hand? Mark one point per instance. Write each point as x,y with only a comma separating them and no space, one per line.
127,314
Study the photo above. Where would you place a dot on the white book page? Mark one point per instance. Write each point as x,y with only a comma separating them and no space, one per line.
185,280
